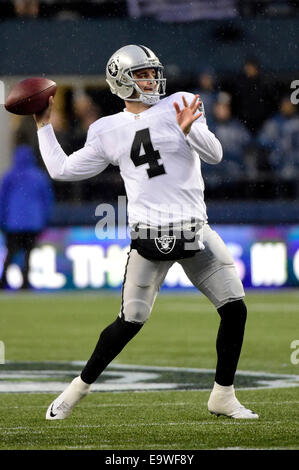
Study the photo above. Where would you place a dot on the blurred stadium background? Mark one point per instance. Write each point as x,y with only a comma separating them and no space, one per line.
240,56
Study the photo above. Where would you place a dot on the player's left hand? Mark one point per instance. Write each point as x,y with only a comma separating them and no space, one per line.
187,115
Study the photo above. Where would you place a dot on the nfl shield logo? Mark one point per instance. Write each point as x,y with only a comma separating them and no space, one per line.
165,244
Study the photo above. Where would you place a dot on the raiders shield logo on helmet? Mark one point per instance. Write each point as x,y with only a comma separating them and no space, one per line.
165,244
113,67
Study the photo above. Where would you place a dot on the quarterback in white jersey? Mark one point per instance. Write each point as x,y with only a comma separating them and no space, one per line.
158,144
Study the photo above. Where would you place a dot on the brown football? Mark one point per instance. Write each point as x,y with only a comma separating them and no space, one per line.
30,96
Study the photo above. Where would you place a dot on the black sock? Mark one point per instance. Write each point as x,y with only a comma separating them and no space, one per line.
229,340
111,342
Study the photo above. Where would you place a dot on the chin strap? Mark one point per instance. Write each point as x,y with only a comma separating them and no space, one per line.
149,99
144,98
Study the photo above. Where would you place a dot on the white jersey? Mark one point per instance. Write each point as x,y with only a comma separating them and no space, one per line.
160,167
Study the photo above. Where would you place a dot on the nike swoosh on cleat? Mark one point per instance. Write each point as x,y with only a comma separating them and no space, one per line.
51,412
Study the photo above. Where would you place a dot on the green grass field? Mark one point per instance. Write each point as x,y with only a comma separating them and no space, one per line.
180,333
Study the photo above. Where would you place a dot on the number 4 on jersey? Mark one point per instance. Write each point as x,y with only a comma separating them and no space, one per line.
150,155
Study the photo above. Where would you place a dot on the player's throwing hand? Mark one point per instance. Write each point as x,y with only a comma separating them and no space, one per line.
43,118
186,116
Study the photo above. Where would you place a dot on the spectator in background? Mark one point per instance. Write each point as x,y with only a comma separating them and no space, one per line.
26,202
251,102
234,138
85,113
279,137
61,128
207,90
67,191
26,8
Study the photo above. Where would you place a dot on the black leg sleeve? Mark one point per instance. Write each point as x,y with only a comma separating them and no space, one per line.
111,342
229,340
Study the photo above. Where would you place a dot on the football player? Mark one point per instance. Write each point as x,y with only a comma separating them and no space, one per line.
158,144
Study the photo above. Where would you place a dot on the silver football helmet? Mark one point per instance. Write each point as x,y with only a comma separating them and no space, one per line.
119,74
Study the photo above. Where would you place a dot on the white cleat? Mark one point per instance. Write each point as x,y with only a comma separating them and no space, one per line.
62,406
224,402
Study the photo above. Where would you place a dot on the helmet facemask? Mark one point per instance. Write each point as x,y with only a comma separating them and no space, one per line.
158,86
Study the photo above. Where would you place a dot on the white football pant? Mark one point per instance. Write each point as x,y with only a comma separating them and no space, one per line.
211,271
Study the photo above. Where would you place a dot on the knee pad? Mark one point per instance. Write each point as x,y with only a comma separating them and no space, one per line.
136,311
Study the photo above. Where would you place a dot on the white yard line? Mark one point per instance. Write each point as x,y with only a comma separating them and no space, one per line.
224,421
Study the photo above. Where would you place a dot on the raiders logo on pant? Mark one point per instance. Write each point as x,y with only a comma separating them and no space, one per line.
166,243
